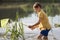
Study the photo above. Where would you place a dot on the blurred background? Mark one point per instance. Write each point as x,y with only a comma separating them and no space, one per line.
8,8
23,10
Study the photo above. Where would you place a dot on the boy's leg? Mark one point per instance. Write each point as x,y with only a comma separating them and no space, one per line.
40,37
45,38
45,34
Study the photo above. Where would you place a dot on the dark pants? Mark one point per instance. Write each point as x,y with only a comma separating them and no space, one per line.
45,32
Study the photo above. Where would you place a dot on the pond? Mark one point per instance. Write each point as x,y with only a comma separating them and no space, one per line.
32,19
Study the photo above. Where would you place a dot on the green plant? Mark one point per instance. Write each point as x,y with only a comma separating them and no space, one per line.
17,30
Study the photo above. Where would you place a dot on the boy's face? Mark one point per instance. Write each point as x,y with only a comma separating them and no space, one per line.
37,9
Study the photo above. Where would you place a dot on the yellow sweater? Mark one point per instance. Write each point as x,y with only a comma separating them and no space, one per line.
44,22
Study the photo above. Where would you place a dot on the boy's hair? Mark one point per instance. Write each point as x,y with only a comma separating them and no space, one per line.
36,5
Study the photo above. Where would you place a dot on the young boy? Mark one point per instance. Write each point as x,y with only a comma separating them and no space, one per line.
43,22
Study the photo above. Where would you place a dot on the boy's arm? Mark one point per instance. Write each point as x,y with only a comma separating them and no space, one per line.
35,25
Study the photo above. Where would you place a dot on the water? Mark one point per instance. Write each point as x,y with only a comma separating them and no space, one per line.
32,19
32,34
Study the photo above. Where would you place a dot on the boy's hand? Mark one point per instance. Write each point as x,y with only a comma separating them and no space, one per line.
31,27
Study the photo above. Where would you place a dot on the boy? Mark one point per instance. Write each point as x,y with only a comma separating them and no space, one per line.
43,22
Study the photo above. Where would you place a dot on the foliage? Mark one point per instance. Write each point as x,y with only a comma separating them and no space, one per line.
17,30
4,22
24,9
57,25
51,10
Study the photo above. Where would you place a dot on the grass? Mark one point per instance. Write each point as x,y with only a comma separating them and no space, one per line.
4,22
17,30
57,25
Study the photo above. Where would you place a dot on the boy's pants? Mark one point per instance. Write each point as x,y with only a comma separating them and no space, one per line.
44,32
